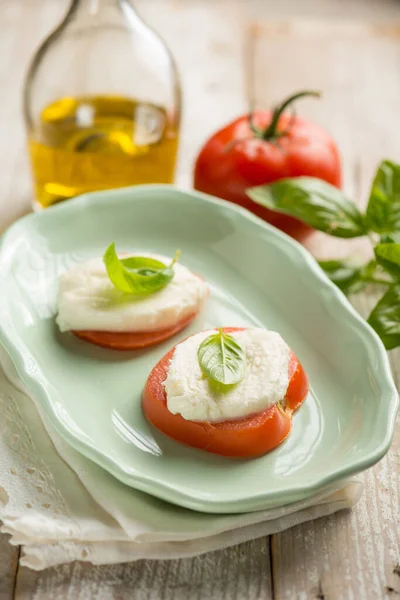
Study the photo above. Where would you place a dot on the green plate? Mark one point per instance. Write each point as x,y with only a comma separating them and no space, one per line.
258,277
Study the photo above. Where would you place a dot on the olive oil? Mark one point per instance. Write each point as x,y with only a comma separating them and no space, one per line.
81,144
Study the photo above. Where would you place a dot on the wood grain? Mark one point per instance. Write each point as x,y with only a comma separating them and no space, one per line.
235,573
227,49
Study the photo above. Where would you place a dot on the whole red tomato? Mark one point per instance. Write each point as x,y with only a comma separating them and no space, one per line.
261,148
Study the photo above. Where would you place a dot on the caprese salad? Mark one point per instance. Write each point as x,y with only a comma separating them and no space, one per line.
129,302
230,391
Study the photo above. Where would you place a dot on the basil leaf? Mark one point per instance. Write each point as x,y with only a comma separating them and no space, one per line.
383,210
342,273
139,275
221,358
314,202
388,256
385,318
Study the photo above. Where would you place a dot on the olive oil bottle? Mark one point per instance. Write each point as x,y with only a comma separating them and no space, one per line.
102,104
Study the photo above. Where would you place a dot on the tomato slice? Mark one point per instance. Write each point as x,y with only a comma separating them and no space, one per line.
133,340
245,438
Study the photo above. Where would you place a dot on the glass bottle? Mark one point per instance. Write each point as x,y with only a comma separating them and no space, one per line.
101,103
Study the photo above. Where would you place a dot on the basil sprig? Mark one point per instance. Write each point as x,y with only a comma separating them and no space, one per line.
139,275
221,358
327,209
313,201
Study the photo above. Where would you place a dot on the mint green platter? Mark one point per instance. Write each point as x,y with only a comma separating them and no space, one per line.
258,277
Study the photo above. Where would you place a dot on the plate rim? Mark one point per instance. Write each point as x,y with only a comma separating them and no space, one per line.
163,489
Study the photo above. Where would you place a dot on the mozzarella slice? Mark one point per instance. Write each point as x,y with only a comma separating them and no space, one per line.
264,384
87,300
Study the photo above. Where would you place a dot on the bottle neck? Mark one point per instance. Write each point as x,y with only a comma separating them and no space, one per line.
93,8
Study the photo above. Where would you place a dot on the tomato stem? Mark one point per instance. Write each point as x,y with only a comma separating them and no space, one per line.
271,132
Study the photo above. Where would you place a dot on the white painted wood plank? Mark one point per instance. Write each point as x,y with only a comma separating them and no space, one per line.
355,66
355,555
236,573
207,41
22,25
356,10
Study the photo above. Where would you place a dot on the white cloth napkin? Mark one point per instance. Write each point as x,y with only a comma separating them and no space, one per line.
62,507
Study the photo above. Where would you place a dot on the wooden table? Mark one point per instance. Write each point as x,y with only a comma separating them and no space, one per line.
233,53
